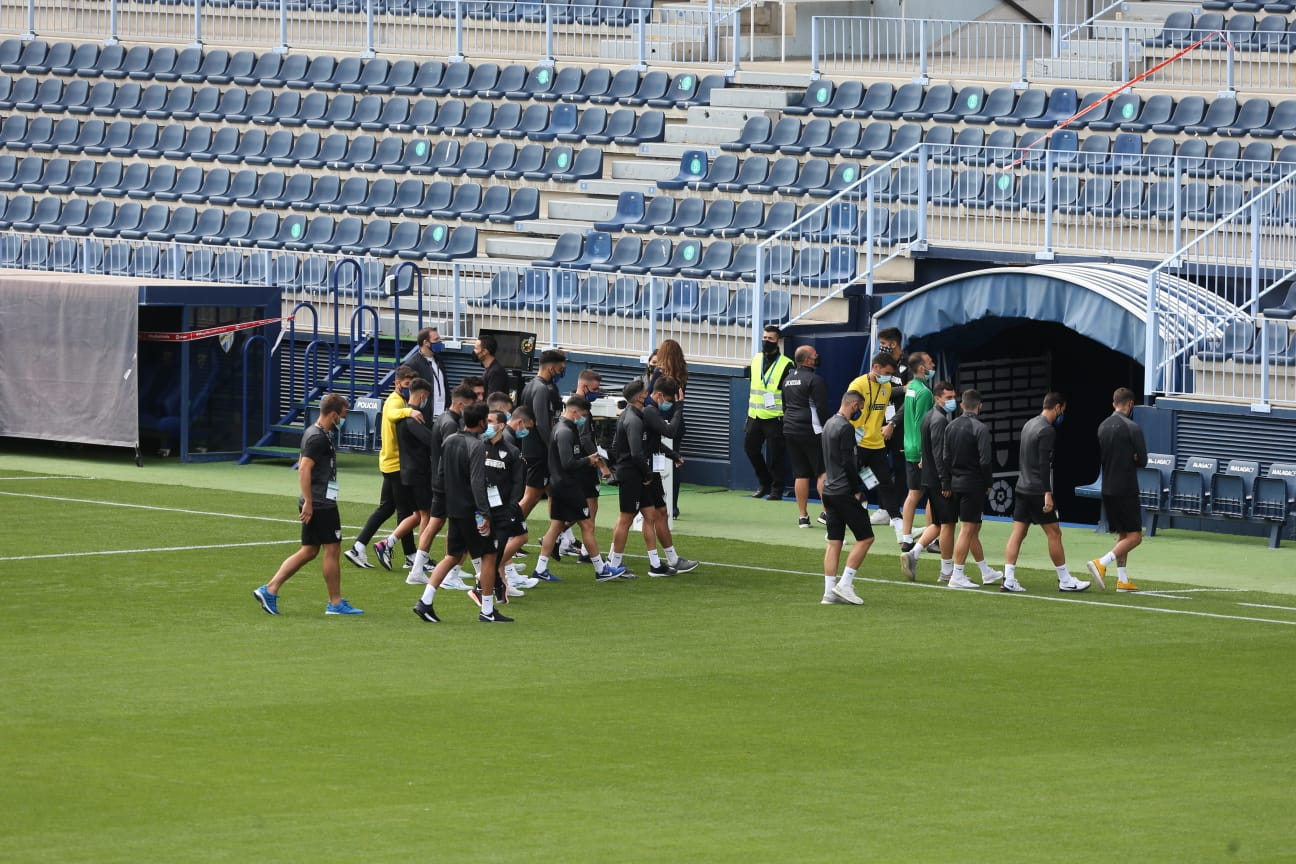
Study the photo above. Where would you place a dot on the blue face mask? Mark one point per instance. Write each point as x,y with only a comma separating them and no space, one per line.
404,391
489,432
581,421
951,405
665,406
1058,421
856,415
931,373
508,415
884,379
436,347
592,395
521,433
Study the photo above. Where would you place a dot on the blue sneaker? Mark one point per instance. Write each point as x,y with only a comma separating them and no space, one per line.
342,608
269,602
545,576
608,573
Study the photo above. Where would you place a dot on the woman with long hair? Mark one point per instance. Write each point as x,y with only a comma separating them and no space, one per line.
668,361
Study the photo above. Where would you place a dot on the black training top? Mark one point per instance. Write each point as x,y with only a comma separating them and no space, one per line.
935,470
968,456
317,445
1035,456
805,401
1123,451
841,472
463,475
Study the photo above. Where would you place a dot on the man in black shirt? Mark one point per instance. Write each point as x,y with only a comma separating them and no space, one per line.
1123,451
841,488
1033,496
805,410
463,477
567,504
889,342
493,371
541,397
969,464
505,478
321,524
935,477
445,425
413,440
425,363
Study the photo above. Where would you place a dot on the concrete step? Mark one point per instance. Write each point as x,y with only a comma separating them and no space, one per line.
760,78
581,209
674,152
1152,11
551,227
694,135
655,51
530,248
741,97
707,115
613,188
643,169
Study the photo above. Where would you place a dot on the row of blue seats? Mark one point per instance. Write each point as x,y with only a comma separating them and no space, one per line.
505,160
350,235
815,266
1226,160
1281,7
378,75
615,13
1034,108
1244,342
1238,32
1202,489
572,292
328,193
538,122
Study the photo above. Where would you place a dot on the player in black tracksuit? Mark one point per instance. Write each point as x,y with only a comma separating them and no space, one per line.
542,399
446,424
505,480
970,465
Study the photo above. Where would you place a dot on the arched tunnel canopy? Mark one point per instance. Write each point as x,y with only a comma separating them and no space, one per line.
1106,302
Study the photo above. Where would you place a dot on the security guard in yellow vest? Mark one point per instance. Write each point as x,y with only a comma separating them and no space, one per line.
765,415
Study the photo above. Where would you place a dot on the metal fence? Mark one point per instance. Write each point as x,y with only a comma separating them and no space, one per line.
1227,349
540,32
1101,52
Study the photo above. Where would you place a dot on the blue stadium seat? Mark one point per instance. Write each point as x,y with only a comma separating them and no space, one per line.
719,216
656,253
1189,111
592,122
1235,338
878,97
181,220
813,176
1030,106
846,96
1190,485
1063,103
649,126
626,252
906,99
785,133
845,136
622,293
756,130
652,301
754,169
630,208
693,166
906,138
781,173
1122,109
813,134
1287,308
998,104
623,86
699,262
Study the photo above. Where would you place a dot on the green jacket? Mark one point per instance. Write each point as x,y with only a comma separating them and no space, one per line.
918,401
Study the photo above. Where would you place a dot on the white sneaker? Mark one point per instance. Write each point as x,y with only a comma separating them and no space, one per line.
831,599
1012,585
515,592
358,557
907,563
416,578
454,581
1073,586
944,577
991,577
957,581
880,517
847,594
524,582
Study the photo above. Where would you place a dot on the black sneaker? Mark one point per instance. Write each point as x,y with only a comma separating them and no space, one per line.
585,559
803,521
776,495
684,565
384,554
907,546
474,594
662,569
496,617
823,517
761,492
426,612
501,589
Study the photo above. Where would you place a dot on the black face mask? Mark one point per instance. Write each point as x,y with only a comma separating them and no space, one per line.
770,348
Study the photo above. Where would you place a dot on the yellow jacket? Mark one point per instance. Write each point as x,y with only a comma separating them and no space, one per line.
394,411
868,429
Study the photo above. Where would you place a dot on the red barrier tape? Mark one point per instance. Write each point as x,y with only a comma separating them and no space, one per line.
190,336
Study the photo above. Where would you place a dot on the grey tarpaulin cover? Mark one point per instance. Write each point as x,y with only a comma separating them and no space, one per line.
67,359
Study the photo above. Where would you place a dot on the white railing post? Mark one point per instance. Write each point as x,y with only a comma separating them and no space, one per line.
1151,363
1230,68
1125,53
197,31
870,230
1178,212
1023,39
1046,254
369,30
553,310
456,304
31,20
758,285
924,208
1057,29
283,29
458,55
711,31
643,39
815,72
652,313
549,36
923,77
735,33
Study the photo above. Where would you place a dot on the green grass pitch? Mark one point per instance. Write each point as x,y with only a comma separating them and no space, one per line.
152,713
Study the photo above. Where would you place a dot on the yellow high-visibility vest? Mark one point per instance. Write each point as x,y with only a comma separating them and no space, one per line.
768,382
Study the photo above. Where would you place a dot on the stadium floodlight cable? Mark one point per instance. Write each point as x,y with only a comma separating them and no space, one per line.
1112,93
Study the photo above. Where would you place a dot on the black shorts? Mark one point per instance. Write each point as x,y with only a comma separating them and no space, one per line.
420,494
1124,513
913,477
436,505
969,506
940,510
635,494
846,511
537,472
589,482
1030,509
806,454
406,503
567,503
463,538
324,528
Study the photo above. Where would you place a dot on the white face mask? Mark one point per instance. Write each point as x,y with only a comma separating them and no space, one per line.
884,379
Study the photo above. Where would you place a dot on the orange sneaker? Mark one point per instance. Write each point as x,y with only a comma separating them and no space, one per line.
1097,570
1126,586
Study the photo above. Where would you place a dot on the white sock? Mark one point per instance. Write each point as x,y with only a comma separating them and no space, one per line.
1064,575
568,538
848,576
476,565
947,566
671,555
420,559
1010,571
985,568
1107,559
428,593
357,546
958,572
1121,575
917,550
456,572
654,559
510,572
897,525
830,582
597,561
908,538
542,563
614,558
391,541
488,604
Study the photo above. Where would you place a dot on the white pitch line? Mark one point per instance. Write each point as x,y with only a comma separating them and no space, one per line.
50,477
145,551
1026,596
1267,606
162,509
